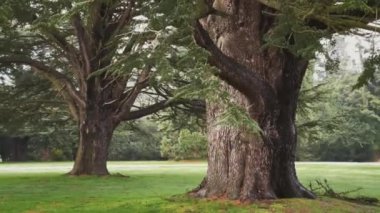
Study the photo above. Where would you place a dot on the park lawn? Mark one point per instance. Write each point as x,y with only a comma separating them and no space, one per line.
159,187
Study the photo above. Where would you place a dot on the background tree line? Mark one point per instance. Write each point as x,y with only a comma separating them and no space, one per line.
335,123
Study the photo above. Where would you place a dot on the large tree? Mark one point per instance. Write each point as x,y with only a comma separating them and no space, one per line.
102,57
261,50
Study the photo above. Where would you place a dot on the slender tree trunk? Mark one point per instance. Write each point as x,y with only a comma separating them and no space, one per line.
243,165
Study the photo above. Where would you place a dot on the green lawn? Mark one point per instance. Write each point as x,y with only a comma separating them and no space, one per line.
151,186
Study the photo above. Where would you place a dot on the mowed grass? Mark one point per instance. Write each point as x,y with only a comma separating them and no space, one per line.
159,187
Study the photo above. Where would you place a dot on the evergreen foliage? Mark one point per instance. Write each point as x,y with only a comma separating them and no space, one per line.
128,56
139,140
337,123
160,37
183,138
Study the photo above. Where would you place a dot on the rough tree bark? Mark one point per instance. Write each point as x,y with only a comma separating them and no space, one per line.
96,128
266,81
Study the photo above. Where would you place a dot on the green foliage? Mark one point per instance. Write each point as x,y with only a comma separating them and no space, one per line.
291,33
300,25
192,144
183,138
162,40
57,145
57,155
338,124
189,145
237,117
29,106
371,66
158,38
136,141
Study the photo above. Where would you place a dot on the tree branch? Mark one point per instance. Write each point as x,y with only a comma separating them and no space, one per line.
127,102
58,41
56,36
271,3
235,74
154,108
53,75
83,41
114,29
190,105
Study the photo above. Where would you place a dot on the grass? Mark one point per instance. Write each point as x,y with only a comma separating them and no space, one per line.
157,187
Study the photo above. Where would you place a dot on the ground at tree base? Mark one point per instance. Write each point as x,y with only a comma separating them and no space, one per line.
184,204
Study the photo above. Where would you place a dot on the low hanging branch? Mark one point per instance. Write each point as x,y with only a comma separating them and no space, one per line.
59,80
149,110
49,72
193,105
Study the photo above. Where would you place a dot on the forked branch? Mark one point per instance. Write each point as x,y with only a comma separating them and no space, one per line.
238,76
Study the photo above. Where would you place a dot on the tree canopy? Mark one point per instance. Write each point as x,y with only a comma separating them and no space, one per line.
111,61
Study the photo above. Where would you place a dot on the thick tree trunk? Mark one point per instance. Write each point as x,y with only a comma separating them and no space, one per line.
243,165
92,153
96,126
239,163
